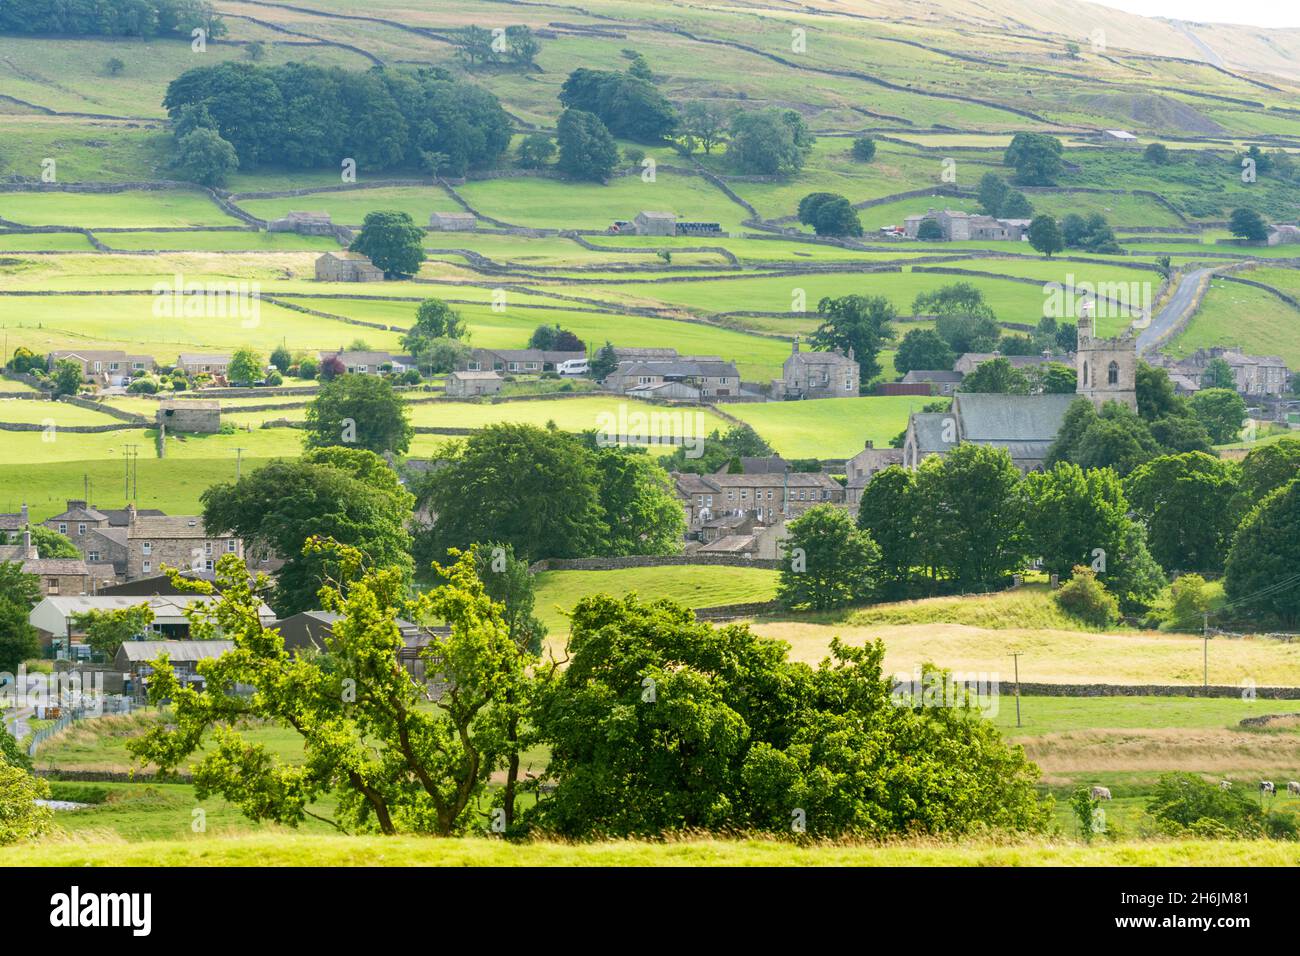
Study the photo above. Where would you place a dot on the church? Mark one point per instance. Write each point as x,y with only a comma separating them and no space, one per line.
1026,425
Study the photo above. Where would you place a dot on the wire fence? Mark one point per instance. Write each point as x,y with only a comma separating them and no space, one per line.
108,705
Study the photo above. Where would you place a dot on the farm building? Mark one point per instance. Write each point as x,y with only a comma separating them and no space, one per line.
1283,235
136,659
700,229
655,223
303,223
1118,137
941,381
199,417
453,222
959,226
469,384
347,267
708,374
310,630
55,617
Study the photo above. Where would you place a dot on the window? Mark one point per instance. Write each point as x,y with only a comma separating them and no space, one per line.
63,527
231,546
731,496
147,547
474,366
92,555
207,548
207,565
1085,374
51,585
146,567
99,366
1112,374
744,494
81,527
112,366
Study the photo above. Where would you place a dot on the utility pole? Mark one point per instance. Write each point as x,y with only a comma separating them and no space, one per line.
1205,641
238,455
1016,657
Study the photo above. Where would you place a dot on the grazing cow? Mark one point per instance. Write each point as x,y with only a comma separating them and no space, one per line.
1100,793
1293,786
1225,784
1266,786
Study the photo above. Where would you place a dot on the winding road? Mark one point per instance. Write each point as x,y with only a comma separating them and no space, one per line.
1182,302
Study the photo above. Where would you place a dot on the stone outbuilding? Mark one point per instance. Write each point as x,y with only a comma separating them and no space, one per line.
347,267
453,222
303,223
181,415
469,384
655,223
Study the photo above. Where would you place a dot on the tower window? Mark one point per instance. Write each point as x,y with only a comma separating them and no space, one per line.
1085,374
1112,374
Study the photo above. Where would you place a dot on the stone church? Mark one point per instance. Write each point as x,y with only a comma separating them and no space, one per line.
1026,425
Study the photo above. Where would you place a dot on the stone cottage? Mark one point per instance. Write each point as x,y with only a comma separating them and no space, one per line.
198,417
347,267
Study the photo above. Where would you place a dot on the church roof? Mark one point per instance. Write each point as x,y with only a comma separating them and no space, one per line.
928,427
991,419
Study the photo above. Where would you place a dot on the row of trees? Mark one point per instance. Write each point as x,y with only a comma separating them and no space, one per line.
308,117
110,18
657,724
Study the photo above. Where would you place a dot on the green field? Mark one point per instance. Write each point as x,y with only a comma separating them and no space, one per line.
167,207
831,427
1246,317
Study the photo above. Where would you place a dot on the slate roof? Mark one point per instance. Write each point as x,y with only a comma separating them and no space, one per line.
928,427
987,418
171,526
918,376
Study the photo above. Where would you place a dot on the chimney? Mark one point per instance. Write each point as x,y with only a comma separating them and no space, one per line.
24,513
870,444
29,552
795,347
130,514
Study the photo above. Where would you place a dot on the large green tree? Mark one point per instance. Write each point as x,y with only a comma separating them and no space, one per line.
392,241
923,350
857,322
641,513
19,593
359,411
1221,411
1036,158
1186,502
1265,469
996,376
1260,578
888,513
826,562
587,150
346,494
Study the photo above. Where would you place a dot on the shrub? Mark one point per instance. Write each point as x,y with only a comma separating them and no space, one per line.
274,377
308,367
1086,598
1185,803
144,386
864,149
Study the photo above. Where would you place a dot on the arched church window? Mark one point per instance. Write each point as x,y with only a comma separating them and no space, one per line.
1112,374
1085,374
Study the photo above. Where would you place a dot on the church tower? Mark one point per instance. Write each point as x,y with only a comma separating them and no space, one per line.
1106,368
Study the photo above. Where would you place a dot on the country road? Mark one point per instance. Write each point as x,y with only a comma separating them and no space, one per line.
1183,299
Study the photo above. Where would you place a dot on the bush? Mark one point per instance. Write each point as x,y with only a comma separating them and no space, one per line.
411,377
144,386
864,149
274,377
308,368
1185,803
1086,598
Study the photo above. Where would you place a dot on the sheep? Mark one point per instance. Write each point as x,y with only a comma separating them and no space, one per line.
1100,793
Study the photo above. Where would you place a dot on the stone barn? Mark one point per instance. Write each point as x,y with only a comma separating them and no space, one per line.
347,267
303,223
199,417
655,224
453,222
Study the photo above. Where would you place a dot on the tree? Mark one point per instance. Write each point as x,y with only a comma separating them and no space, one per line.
721,450
202,156
553,338
629,106
114,66
1086,598
19,593
435,319
1247,224
706,123
640,68
992,193
887,512
1266,469
811,203
1016,205
281,358
391,761
21,817
25,360
521,45
392,241
1054,378
929,230
974,509
662,724
640,511
864,149
963,319
1186,503
1156,153
1264,554
1045,235
826,562
1218,374
997,376
857,325
246,366
106,631
536,151
1036,158
1183,605
1155,393
360,411
66,377
256,50
924,350
48,542
344,494
1180,433
1221,411
1185,803
837,217
535,489
587,150
769,142
605,362
1117,438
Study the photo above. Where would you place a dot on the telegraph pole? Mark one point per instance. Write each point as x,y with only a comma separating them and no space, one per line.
1205,642
238,455
1016,657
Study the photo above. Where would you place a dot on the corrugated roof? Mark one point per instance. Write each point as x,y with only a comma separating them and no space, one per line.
175,650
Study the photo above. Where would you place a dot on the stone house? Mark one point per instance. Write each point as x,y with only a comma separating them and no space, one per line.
469,384
941,381
105,367
862,467
709,375
1283,235
216,364
957,226
968,362
11,521
177,541
303,223
1254,375
347,267
817,375
190,415
453,222
769,497
56,576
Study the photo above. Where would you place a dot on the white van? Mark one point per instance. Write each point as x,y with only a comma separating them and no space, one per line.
573,367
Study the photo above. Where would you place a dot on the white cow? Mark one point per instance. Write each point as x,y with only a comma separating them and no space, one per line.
1100,793
1266,786
1293,786
1225,784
